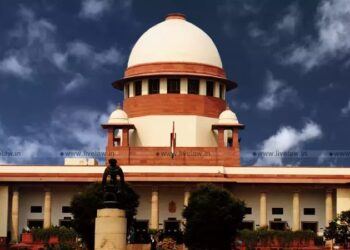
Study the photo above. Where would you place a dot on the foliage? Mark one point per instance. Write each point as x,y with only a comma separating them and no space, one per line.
266,237
168,244
84,209
153,231
339,228
319,241
66,237
212,216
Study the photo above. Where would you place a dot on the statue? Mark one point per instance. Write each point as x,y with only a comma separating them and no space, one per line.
113,189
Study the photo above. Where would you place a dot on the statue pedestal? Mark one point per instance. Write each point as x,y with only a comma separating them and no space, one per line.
110,229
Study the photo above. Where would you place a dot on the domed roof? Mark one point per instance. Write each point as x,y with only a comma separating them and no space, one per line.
175,40
118,116
228,117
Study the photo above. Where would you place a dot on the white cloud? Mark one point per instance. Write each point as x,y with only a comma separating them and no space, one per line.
333,39
93,9
60,60
12,65
82,50
346,110
77,81
328,87
231,10
240,105
289,22
254,31
287,139
36,43
43,144
84,127
110,56
276,94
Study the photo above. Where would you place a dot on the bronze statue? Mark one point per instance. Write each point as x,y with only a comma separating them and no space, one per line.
112,188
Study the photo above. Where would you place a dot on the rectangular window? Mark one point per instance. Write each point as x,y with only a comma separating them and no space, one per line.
66,209
248,210
153,86
210,88
193,86
36,209
277,210
138,88
174,86
309,211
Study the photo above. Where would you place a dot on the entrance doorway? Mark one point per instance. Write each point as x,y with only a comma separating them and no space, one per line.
140,232
171,226
309,225
35,223
278,225
247,225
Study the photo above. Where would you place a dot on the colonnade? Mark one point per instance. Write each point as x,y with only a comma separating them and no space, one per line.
296,222
154,212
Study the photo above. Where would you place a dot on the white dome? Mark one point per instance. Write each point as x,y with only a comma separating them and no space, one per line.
228,117
175,40
118,116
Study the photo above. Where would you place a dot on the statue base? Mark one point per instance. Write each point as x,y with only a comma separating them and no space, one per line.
110,229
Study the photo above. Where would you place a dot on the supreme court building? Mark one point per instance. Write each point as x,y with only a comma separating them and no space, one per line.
175,84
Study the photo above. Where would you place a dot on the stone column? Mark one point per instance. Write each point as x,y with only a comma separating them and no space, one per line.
15,215
296,211
187,195
328,206
263,210
216,89
154,209
183,86
202,87
47,209
131,89
144,87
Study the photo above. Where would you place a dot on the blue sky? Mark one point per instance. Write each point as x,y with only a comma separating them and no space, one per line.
290,59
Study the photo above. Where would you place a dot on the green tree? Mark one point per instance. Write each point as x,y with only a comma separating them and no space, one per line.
84,209
213,217
339,229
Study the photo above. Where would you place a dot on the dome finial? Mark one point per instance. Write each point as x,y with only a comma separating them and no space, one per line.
227,106
119,106
175,16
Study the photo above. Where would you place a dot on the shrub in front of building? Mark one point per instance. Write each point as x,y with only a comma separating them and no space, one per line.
277,238
213,217
338,230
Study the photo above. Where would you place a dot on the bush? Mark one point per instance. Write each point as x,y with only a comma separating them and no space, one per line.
212,218
339,229
66,237
267,237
